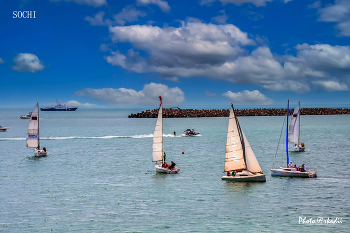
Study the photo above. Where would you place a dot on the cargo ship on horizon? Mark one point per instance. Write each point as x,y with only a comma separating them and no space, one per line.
59,107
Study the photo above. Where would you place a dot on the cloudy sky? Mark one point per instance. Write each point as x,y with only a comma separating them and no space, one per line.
204,52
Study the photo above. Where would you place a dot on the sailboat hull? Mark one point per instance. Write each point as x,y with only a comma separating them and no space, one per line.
292,172
245,176
39,153
161,169
298,148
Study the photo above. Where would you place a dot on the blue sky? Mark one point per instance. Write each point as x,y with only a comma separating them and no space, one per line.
207,52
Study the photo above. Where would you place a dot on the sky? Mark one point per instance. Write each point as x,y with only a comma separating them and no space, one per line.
104,53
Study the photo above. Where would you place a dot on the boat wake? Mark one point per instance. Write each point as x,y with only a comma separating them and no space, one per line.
91,137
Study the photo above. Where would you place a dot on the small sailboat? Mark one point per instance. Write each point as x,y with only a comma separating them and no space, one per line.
240,161
157,146
291,171
33,138
3,129
294,130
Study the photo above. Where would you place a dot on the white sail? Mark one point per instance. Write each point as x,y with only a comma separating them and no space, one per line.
157,145
234,154
33,128
293,130
252,162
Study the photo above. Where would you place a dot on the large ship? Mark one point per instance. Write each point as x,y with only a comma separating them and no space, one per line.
58,107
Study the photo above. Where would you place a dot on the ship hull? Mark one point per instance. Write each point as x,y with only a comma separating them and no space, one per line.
55,109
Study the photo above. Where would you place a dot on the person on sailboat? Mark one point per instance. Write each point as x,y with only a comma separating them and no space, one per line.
165,165
296,167
303,168
172,165
290,164
164,157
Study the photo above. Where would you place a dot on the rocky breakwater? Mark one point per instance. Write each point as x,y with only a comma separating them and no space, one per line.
179,113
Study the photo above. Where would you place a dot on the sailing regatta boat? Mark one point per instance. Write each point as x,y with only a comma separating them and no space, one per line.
157,145
33,139
240,158
291,171
294,130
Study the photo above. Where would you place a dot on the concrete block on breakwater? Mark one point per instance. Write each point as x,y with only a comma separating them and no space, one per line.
180,113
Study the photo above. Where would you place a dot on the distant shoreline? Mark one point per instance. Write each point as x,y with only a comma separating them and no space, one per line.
183,113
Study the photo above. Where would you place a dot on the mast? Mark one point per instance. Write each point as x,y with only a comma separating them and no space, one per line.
38,128
287,134
299,113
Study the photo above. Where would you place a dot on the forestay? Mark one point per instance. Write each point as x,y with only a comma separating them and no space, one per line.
234,154
33,128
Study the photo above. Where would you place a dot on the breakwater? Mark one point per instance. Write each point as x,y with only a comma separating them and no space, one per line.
180,113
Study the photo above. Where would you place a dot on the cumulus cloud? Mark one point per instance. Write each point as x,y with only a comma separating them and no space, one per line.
127,15
338,13
163,5
240,2
330,85
197,49
248,97
147,96
27,62
94,3
1,61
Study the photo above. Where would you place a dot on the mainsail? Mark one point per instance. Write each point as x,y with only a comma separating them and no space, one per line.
252,162
33,129
157,145
293,131
234,159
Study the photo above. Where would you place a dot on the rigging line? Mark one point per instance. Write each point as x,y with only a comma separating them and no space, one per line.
279,141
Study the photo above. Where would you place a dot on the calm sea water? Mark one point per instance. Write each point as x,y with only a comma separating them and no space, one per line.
99,176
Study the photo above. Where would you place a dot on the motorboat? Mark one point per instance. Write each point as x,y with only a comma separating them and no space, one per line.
3,129
190,133
26,116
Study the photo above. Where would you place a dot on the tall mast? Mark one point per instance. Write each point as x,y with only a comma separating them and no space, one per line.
287,134
299,113
38,127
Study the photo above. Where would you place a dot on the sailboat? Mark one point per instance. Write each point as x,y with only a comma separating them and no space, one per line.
291,171
157,146
294,130
33,138
240,161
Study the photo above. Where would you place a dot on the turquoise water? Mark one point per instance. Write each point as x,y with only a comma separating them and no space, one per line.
99,176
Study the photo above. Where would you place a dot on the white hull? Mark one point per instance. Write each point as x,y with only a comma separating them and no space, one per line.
39,152
190,135
3,129
245,176
292,172
299,148
161,169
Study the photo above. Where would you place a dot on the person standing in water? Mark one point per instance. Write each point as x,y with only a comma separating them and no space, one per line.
174,133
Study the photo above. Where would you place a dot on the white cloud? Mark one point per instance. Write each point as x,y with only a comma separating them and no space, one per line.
73,103
147,96
209,94
27,62
163,5
315,5
94,3
221,18
240,2
97,20
248,97
1,61
338,13
330,85
128,14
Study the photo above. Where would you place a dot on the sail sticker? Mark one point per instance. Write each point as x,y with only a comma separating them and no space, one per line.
33,136
34,118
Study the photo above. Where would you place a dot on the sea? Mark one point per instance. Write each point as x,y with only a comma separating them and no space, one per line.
98,175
